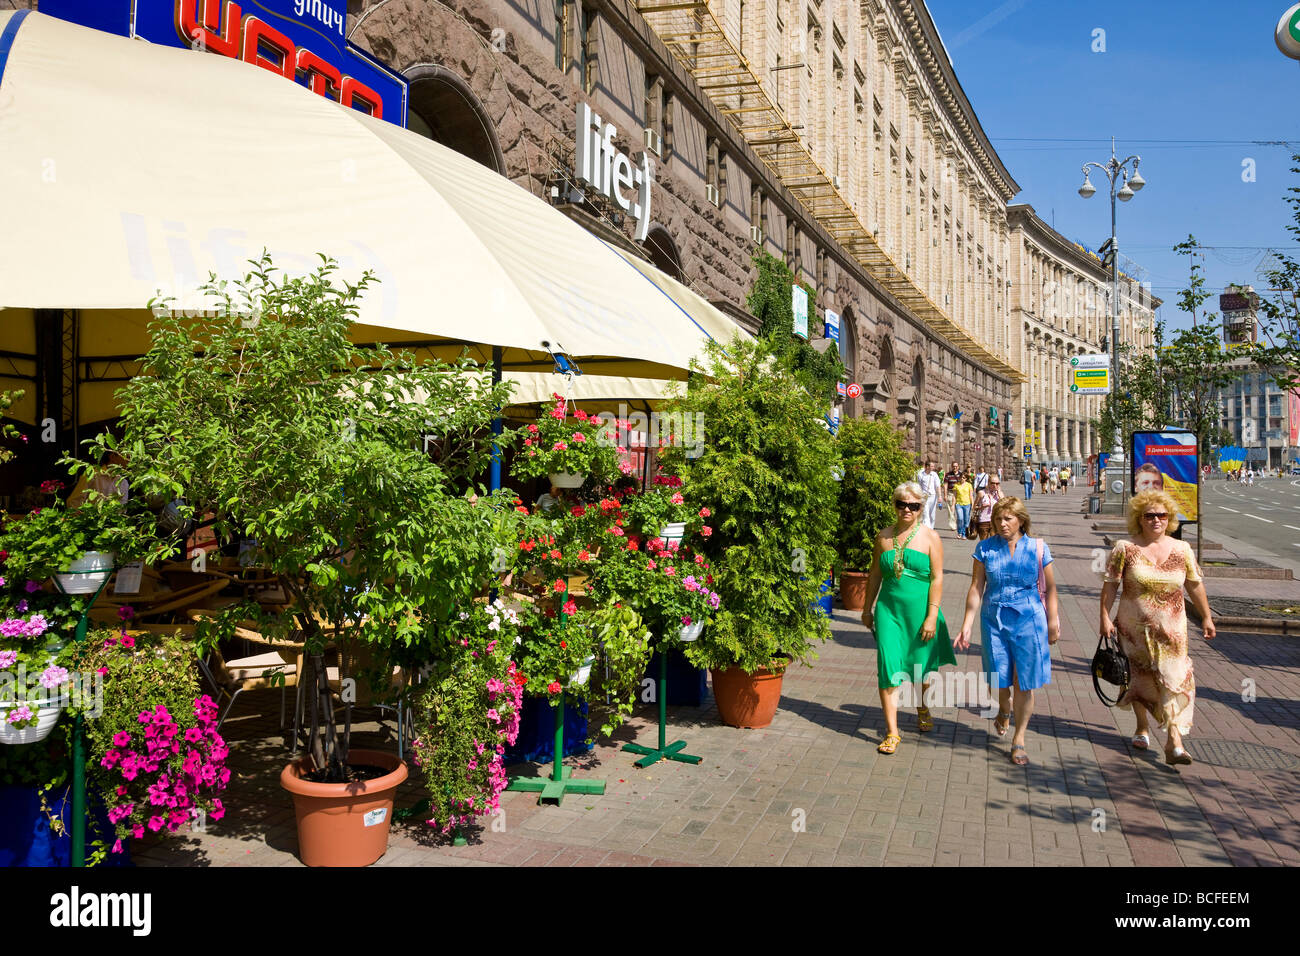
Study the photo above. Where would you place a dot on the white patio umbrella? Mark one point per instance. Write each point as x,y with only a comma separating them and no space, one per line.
129,168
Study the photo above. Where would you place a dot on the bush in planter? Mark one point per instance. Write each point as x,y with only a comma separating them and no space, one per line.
313,448
875,462
767,468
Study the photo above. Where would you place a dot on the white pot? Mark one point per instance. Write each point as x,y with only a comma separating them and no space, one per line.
566,479
87,573
691,632
673,531
46,718
580,677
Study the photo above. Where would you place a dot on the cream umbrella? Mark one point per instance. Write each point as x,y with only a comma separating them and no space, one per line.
130,168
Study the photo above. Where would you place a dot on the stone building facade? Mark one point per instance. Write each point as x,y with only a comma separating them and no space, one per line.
1060,301
831,133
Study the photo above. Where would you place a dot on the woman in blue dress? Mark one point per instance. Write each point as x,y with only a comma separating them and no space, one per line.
1017,623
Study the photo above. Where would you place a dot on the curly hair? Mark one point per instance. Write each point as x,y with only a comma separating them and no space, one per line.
1138,505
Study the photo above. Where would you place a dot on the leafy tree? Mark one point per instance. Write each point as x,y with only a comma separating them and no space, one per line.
766,472
1280,356
1142,399
1196,370
270,421
876,461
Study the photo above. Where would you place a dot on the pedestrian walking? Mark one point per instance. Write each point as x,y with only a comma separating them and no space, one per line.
930,482
1042,479
1149,573
984,502
1065,478
950,480
963,494
1053,479
911,634
1013,589
1027,479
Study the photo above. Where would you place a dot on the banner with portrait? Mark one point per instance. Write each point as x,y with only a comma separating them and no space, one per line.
1168,460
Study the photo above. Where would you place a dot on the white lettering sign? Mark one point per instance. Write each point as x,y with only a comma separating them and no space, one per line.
610,172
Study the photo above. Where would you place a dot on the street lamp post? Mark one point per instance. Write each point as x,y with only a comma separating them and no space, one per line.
1124,184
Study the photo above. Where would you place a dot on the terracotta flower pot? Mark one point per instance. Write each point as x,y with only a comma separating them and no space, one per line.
344,824
853,590
747,700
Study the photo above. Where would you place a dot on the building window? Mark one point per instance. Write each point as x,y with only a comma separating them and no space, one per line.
589,30
562,35
712,172
654,104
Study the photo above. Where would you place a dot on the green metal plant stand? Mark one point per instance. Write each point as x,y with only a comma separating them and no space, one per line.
78,856
561,780
672,751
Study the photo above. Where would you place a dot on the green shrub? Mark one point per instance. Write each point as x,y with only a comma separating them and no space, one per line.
875,463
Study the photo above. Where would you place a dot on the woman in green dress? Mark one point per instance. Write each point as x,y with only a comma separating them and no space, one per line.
907,574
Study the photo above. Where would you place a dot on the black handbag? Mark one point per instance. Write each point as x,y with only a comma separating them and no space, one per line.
1110,664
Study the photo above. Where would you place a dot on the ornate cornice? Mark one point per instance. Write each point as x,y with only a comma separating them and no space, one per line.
928,49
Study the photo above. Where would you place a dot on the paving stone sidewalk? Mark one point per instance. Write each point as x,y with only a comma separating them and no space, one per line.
812,790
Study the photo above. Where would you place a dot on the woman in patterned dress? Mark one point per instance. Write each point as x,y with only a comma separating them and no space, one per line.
1149,573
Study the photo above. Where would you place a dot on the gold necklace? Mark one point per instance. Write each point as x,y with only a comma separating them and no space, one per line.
898,552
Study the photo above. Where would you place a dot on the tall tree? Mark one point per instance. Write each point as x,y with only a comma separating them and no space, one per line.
1195,369
1279,355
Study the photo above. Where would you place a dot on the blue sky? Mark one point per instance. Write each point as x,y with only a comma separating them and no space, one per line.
1172,77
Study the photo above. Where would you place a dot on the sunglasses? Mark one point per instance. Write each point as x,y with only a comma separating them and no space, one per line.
1156,516
909,505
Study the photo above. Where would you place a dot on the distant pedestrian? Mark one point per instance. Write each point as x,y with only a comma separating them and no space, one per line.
1053,479
963,495
1149,573
1042,479
1065,478
930,482
985,501
907,575
1019,619
1028,480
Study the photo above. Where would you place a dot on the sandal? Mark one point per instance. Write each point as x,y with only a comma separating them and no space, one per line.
1141,742
889,744
1005,721
1020,756
1177,756
924,722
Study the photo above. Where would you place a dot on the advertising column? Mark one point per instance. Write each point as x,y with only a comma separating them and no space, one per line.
1168,461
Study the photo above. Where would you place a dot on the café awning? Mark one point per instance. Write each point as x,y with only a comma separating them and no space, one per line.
129,168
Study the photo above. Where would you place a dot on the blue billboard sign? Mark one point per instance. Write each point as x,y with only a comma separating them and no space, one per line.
1168,461
301,40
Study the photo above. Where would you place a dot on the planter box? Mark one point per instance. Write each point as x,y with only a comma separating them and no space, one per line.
687,685
536,740
27,840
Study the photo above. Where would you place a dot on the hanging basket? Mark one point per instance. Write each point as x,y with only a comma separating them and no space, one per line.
46,718
567,479
580,677
690,633
86,574
673,531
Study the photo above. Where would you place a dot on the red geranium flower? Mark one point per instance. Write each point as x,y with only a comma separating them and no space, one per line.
706,531
584,555
578,511
558,586
570,608
555,555
553,687
705,512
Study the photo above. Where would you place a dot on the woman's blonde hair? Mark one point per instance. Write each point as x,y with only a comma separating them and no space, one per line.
1139,504
1016,507
910,488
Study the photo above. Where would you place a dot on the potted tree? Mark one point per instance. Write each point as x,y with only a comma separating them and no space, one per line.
875,462
309,448
767,467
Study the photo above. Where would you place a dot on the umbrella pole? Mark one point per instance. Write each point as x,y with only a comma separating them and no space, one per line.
494,476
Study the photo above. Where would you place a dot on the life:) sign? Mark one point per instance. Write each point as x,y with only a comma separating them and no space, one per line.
597,163
301,40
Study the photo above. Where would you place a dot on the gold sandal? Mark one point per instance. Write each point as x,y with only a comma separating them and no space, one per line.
924,722
1002,723
889,744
